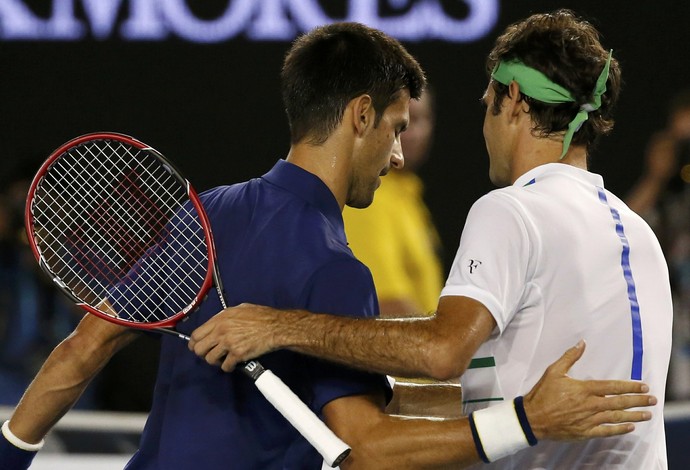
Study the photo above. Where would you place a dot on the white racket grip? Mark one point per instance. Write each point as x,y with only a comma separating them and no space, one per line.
331,448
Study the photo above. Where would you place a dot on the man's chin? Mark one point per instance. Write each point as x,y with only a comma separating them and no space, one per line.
360,203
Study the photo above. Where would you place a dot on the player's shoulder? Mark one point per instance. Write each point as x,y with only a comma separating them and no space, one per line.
499,199
220,192
224,195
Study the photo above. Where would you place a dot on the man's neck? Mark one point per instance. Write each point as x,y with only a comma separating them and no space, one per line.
328,161
542,151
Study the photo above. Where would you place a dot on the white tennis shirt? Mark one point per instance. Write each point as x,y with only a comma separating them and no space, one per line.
557,258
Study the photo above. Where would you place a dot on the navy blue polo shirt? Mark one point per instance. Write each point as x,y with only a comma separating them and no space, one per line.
280,242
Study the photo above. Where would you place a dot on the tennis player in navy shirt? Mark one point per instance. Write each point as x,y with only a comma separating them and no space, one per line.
280,242
293,253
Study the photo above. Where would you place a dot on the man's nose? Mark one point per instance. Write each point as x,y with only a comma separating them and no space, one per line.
397,158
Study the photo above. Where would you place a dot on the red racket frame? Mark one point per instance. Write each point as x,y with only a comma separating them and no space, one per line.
191,193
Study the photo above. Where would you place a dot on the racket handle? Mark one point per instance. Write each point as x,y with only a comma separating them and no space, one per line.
331,448
303,419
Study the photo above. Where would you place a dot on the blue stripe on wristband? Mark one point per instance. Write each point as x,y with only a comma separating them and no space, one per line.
524,422
477,440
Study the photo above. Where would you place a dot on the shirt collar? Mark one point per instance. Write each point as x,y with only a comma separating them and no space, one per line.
559,168
308,187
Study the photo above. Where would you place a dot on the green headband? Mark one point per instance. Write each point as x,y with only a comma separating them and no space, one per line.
536,85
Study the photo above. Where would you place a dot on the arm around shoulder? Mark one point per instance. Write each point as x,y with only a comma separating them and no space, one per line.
438,347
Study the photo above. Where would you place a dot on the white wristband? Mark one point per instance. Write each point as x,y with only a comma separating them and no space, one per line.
15,441
501,430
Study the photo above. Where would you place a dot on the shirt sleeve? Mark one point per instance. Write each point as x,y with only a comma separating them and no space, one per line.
491,264
344,288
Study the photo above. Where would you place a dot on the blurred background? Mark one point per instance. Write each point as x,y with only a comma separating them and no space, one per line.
200,83
198,80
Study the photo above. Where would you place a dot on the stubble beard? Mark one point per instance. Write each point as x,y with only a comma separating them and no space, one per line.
361,195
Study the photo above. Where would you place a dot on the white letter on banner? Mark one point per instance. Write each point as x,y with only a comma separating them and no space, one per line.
18,22
308,14
367,12
101,16
428,20
483,15
273,23
183,22
260,19
63,25
145,21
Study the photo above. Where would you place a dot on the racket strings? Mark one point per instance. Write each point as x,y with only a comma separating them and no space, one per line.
111,221
136,252
88,218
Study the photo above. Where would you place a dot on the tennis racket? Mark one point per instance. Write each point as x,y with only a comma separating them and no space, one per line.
123,234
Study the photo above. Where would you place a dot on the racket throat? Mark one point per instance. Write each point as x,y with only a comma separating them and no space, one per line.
171,332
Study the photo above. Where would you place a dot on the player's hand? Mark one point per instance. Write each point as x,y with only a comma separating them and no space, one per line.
561,408
237,334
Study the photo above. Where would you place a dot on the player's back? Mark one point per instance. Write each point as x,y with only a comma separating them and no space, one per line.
595,271
280,242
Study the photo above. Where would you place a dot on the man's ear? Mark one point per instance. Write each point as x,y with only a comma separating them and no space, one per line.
517,105
363,113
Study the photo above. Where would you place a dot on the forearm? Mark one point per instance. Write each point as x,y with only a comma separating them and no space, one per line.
406,347
58,385
62,379
415,443
440,346
379,440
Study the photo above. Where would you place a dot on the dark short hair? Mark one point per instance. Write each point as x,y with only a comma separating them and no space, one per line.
331,65
567,50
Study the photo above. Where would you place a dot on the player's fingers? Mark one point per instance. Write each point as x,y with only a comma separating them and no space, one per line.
202,347
622,402
566,361
620,416
206,328
611,430
202,331
615,387
229,363
216,355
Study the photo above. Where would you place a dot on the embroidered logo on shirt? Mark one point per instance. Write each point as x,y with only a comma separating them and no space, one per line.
474,264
